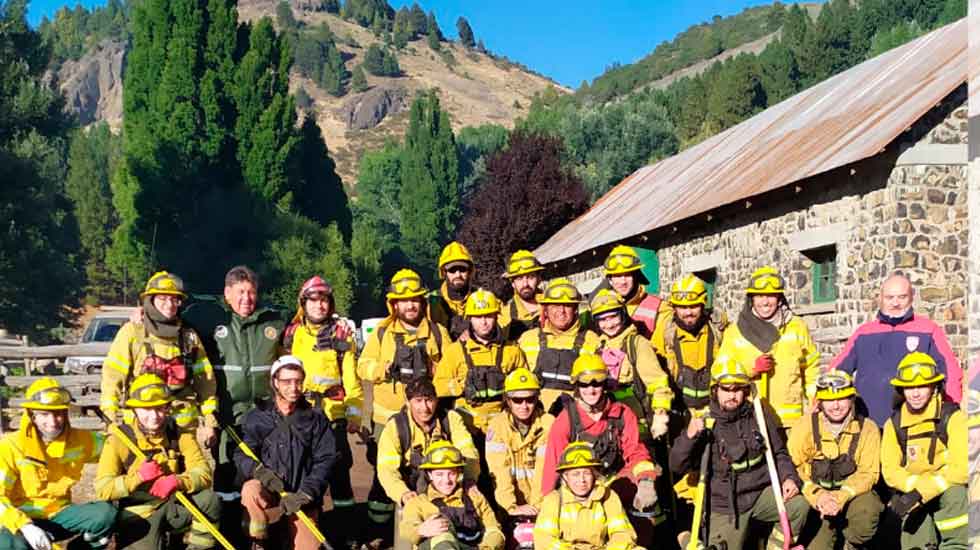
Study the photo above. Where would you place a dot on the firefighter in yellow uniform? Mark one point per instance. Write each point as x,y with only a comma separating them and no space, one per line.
924,458
145,490
405,346
515,446
327,350
582,514
637,380
160,344
623,271
837,453
522,312
775,345
450,514
39,465
447,305
474,369
551,349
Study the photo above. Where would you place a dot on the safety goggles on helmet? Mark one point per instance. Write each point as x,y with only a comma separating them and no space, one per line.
562,292
686,297
405,286
767,282
523,266
442,454
621,262
834,385
917,374
152,395
49,398
577,454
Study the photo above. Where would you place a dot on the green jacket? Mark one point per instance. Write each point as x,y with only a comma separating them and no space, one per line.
241,351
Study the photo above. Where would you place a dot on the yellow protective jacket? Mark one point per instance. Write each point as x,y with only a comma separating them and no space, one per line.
640,358
565,523
36,477
695,354
421,508
516,461
793,379
118,479
507,317
125,362
554,339
335,382
949,466
392,458
443,310
388,395
866,455
452,371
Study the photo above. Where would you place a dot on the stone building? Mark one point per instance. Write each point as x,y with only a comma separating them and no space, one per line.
838,186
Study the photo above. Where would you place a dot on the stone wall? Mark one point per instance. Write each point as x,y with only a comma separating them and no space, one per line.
892,212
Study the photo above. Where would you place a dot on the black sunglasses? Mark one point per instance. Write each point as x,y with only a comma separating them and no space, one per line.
457,269
592,384
522,400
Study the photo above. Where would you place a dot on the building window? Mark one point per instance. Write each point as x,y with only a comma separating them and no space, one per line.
709,277
824,274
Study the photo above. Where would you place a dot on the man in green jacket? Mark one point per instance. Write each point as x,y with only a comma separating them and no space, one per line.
242,339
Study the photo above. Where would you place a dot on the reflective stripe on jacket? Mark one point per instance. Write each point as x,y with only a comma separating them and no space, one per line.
515,461
555,340
451,372
326,377
421,508
565,523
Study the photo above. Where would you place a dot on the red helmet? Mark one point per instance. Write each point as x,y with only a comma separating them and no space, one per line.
313,285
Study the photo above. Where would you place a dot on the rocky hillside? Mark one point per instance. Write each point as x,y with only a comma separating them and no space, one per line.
474,87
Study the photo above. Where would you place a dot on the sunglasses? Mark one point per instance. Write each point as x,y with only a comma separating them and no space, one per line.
620,261
591,384
523,400
457,269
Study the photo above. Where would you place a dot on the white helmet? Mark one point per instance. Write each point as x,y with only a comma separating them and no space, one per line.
287,361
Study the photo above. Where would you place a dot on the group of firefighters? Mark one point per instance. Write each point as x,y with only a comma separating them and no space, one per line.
632,422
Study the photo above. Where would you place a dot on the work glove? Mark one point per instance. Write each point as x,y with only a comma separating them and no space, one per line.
902,504
269,480
763,363
292,502
658,424
646,495
524,535
165,486
36,537
149,471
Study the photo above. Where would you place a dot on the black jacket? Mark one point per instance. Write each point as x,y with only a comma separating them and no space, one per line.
300,448
736,439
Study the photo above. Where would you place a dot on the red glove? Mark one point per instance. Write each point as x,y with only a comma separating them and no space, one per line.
341,331
149,471
164,487
763,363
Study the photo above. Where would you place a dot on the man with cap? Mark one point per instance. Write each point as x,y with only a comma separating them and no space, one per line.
404,347
297,453
613,430
622,269
521,313
552,348
837,453
775,344
447,304
161,344
738,488
878,345
39,464
327,349
242,338
474,369
924,458
515,447
145,489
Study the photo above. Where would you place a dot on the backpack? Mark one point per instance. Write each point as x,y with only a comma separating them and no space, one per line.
410,472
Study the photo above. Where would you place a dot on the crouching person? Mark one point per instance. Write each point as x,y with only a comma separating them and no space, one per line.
837,455
39,464
449,514
582,514
297,449
145,489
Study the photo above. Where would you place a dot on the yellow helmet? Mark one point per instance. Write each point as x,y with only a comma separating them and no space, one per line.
917,369
622,259
577,454
481,302
441,455
688,291
163,282
453,252
560,291
835,384
522,262
589,368
148,390
521,379
47,394
606,300
406,284
729,372
766,280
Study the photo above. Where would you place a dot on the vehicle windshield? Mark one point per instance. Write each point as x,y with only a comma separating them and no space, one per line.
102,329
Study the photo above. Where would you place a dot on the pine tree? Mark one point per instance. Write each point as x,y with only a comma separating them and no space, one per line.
433,34
284,16
359,81
319,194
419,21
465,32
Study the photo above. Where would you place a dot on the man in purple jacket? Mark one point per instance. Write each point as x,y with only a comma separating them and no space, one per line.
876,347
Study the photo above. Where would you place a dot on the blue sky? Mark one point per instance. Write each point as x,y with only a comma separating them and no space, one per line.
569,41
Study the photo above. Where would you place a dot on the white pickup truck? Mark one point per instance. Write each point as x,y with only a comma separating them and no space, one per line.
101,329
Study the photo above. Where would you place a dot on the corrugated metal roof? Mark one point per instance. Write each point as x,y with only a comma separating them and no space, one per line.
847,118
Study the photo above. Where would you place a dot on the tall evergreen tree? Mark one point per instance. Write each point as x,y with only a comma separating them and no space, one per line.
465,32
318,180
433,34
359,81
